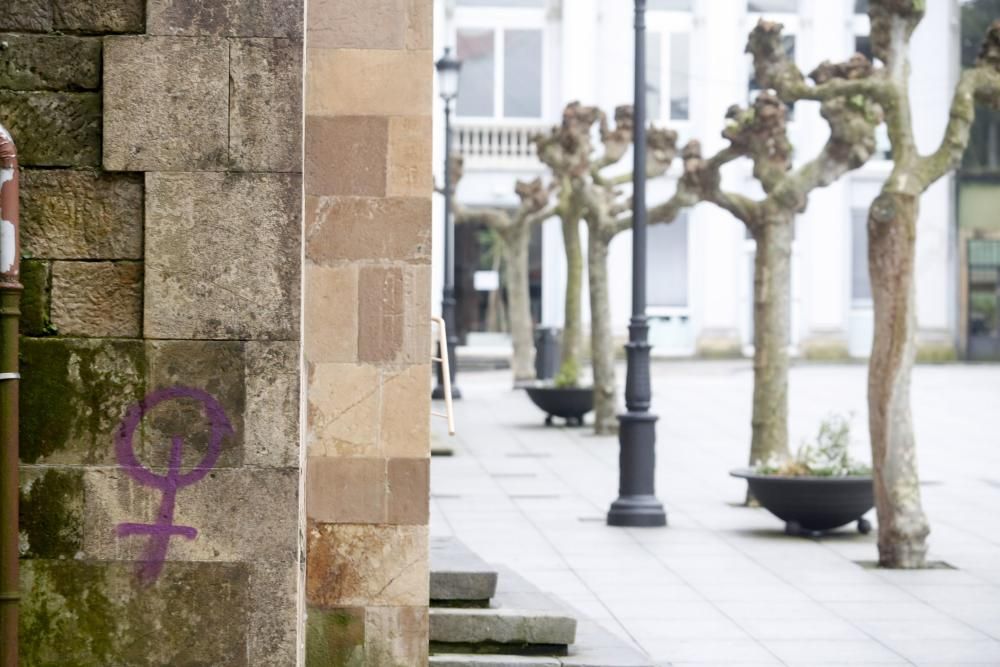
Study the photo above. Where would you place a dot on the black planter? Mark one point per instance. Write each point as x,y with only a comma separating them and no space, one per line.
570,403
812,504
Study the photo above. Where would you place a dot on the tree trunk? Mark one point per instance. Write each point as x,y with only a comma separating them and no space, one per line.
902,525
601,345
522,329
569,367
772,323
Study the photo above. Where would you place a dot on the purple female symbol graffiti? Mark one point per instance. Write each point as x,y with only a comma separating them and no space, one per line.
163,528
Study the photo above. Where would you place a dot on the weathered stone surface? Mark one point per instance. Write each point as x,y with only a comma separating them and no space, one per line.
50,62
242,514
335,637
35,276
368,82
74,393
71,214
459,574
380,313
96,614
167,104
105,16
26,16
233,18
358,228
396,636
500,626
406,402
273,613
201,279
346,155
54,129
346,490
265,124
352,565
343,410
334,24
271,424
50,508
409,168
216,367
409,491
416,323
330,314
97,298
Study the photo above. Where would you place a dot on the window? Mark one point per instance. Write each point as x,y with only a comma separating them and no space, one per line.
668,68
475,84
861,288
667,249
670,5
522,74
773,6
860,6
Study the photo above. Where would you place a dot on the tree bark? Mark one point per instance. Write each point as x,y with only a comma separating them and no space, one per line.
772,322
902,525
602,351
569,366
522,329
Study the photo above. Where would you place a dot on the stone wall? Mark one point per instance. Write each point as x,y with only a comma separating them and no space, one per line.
366,330
161,194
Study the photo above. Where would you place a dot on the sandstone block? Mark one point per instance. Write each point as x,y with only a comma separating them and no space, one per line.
364,565
271,423
346,490
50,508
54,129
346,156
26,16
196,611
368,82
97,298
380,313
265,126
167,104
377,24
36,276
222,256
70,214
331,313
409,167
106,16
74,393
359,228
409,491
420,28
233,18
396,635
50,62
343,409
406,404
416,323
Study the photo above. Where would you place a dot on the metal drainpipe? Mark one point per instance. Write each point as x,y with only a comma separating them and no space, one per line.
10,313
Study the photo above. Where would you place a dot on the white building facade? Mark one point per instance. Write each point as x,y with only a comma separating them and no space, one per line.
523,60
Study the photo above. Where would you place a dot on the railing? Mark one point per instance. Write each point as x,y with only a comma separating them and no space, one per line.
498,143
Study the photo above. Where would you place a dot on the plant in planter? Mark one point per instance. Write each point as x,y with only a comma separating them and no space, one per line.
818,489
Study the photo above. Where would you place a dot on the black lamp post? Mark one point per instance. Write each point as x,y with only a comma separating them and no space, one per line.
637,504
448,68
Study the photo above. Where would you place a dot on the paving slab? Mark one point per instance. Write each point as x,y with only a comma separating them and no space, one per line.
459,575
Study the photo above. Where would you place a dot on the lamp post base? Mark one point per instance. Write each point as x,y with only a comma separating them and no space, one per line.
637,512
637,504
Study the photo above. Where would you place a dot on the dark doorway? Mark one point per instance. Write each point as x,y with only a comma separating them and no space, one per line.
984,300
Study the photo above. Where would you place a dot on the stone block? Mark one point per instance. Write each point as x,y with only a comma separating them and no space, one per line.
375,24
346,156
420,25
363,82
54,129
232,18
417,322
26,16
167,104
242,514
86,613
273,614
71,214
501,626
265,124
215,367
50,507
331,313
74,393
346,490
36,276
335,637
409,167
343,409
222,256
409,491
106,16
360,228
97,298
405,419
365,565
50,62
459,574
380,313
396,636
271,422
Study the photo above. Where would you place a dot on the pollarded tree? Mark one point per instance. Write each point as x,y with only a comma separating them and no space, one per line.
892,226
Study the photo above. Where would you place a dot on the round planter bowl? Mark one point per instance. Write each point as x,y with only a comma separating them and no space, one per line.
570,403
812,504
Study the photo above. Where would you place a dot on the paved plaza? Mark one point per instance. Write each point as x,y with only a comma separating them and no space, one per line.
722,585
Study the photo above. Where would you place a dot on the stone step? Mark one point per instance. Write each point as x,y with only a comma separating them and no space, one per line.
458,576
507,630
474,660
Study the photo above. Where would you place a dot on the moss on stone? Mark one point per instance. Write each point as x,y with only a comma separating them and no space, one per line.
335,638
51,513
35,276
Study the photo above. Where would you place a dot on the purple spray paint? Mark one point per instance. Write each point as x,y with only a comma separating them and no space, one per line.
163,528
